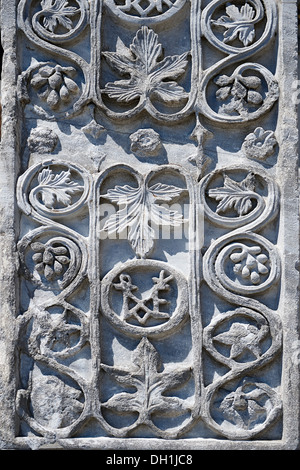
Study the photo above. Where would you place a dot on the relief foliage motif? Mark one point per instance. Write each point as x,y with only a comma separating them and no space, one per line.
149,283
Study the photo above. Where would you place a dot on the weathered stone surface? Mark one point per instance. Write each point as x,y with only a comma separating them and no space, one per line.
149,225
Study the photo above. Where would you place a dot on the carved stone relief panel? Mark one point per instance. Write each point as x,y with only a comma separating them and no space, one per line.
155,224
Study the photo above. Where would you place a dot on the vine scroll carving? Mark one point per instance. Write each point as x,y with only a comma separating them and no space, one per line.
150,269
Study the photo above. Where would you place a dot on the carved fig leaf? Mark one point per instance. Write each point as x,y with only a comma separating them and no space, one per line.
150,384
56,12
139,209
50,261
57,188
234,195
238,23
148,75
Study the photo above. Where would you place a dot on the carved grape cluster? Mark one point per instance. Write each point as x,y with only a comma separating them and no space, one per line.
55,84
250,263
238,23
57,13
50,261
242,92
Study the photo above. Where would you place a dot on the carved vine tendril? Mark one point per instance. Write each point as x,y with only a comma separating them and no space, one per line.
236,267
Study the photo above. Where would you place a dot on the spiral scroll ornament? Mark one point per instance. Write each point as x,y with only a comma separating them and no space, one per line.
239,266
52,331
86,296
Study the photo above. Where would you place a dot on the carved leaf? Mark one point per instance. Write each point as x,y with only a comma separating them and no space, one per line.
165,191
241,338
147,73
234,195
259,144
150,384
50,260
139,209
56,12
57,188
238,23
146,8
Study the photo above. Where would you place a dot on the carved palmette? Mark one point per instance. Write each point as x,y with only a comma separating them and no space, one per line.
147,287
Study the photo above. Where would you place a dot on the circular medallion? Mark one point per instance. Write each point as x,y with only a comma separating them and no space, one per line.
144,11
145,298
249,265
53,189
60,21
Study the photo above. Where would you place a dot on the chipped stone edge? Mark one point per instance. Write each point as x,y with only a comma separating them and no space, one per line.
8,223
289,236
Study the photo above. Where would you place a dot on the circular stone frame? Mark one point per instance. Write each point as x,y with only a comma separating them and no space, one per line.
178,317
